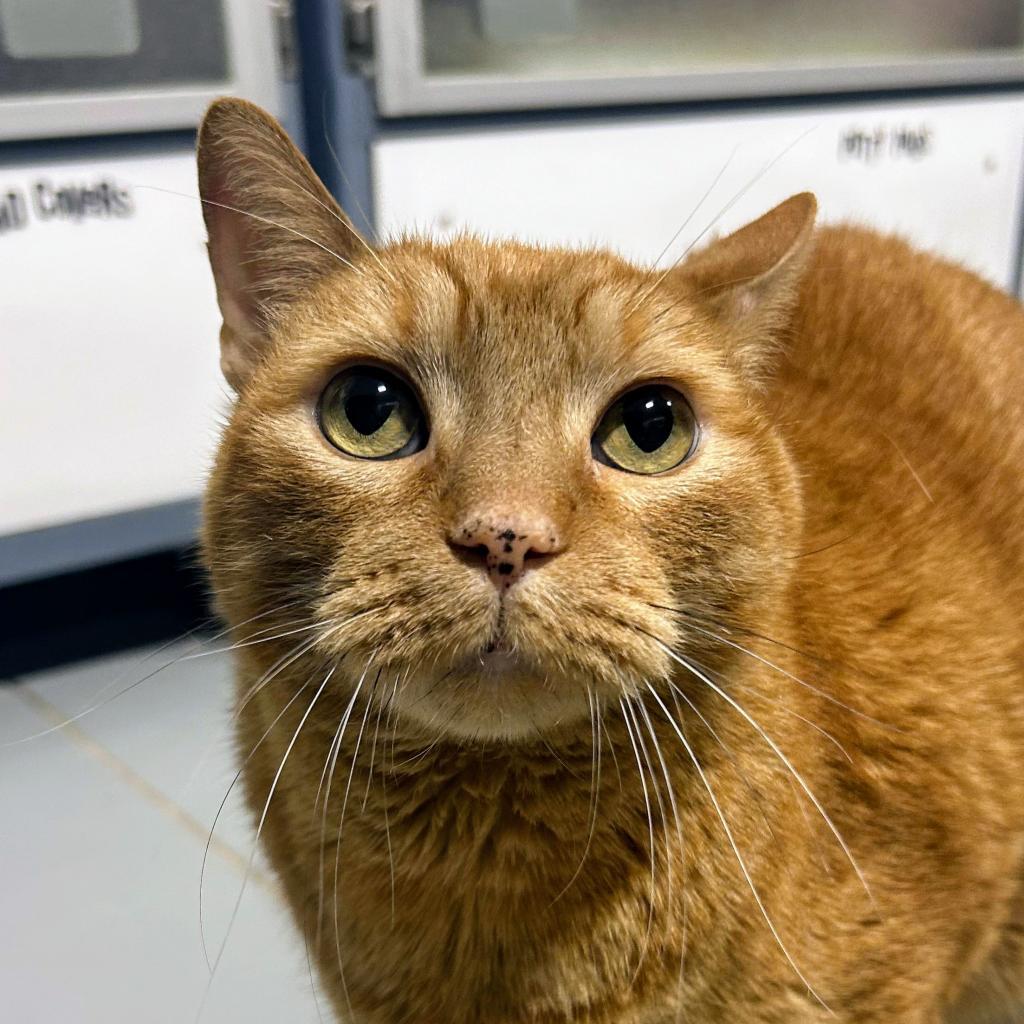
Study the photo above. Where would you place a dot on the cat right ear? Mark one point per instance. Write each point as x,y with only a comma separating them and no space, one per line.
273,229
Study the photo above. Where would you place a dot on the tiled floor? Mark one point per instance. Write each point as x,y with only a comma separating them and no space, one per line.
103,824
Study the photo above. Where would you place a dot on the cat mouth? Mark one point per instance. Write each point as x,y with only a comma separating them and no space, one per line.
498,642
501,687
498,662
495,658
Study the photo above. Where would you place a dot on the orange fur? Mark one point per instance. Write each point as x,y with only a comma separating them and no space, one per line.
841,559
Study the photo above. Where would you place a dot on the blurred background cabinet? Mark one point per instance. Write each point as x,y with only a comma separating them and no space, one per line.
85,67
462,55
109,384
644,125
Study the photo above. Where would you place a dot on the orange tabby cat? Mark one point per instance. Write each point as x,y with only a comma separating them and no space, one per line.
618,645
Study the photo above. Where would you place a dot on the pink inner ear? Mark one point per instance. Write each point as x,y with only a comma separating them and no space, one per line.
230,246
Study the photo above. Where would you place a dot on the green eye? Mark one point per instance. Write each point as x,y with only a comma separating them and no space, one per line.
371,414
649,430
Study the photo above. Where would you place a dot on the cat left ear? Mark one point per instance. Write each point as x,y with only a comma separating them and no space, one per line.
274,230
748,280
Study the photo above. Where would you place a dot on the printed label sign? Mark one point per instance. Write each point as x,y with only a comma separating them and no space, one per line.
48,199
109,380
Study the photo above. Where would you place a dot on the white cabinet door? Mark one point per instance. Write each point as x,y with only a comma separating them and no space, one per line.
109,379
944,173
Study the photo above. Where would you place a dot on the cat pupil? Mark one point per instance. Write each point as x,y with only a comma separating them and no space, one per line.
368,410
649,419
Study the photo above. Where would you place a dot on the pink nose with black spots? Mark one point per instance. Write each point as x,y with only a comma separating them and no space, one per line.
506,546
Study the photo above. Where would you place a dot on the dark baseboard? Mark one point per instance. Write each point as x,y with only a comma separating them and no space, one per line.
95,611
64,548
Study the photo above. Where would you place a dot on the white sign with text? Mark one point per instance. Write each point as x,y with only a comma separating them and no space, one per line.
944,173
109,379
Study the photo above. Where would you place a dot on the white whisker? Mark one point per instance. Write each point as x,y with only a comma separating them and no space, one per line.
257,217
602,726
733,760
732,843
782,757
679,844
650,832
220,809
723,211
341,170
350,228
329,766
337,845
149,675
796,714
655,785
259,832
376,734
700,202
783,672
595,788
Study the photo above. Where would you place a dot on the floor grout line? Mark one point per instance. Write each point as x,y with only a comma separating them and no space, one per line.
150,793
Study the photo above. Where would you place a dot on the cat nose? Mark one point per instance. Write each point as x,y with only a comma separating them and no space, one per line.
505,545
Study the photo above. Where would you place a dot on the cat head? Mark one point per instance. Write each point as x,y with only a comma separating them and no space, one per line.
498,477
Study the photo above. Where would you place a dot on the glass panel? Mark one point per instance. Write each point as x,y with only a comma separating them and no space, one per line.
585,38
69,28
78,45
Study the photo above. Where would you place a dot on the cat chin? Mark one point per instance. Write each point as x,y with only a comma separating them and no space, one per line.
495,697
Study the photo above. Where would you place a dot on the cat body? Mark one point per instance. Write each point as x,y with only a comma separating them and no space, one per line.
744,740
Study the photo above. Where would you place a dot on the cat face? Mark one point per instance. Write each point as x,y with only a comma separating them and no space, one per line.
496,477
